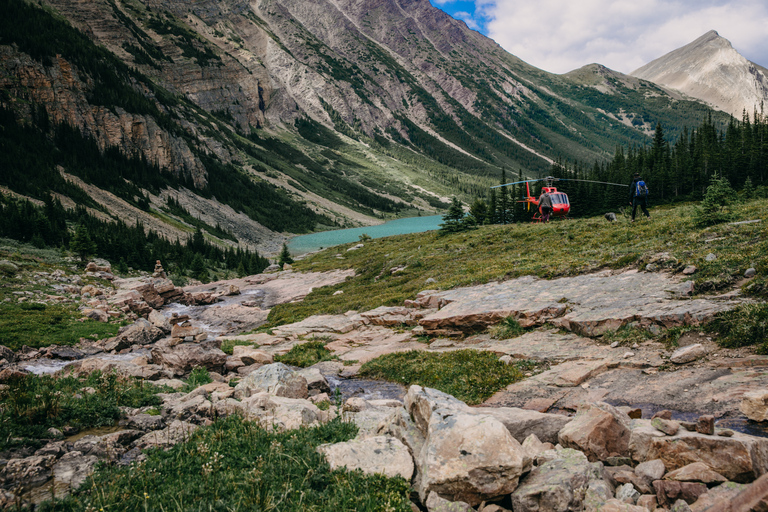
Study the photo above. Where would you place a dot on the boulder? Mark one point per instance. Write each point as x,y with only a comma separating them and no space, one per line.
420,402
616,505
718,498
73,468
627,493
399,424
740,458
599,430
174,433
276,379
140,332
754,405
558,484
522,422
316,382
183,358
282,412
669,427
27,473
650,470
669,491
468,457
160,321
752,498
250,355
696,472
381,454
144,422
435,503
689,353
7,354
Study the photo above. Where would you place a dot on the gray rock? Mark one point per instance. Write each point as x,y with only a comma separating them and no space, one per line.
381,454
651,470
558,484
610,217
468,457
711,257
437,504
521,423
688,354
315,380
72,469
276,379
144,422
754,405
689,270
627,493
750,272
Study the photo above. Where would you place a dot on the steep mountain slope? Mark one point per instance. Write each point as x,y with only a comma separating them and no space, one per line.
711,70
298,114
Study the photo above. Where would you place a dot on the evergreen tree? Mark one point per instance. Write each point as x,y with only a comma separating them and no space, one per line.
453,220
285,256
714,207
479,210
81,243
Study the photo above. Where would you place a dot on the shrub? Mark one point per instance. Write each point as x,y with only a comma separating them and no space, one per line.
307,354
199,376
714,208
743,326
506,329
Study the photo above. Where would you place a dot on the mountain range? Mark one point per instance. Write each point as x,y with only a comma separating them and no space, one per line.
711,70
273,117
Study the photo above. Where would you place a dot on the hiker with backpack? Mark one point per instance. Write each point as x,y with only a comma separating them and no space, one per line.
638,195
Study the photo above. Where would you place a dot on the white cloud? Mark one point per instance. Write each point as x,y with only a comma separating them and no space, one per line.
467,18
562,35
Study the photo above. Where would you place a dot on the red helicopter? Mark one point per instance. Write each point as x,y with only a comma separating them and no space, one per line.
560,204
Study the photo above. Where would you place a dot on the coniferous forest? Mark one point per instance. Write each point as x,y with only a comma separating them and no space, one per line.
675,171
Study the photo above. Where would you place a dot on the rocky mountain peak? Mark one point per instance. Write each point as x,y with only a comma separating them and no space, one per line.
710,69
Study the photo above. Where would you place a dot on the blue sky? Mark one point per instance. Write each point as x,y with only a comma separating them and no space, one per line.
562,35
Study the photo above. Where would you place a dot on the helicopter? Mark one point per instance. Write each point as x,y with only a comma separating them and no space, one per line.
560,204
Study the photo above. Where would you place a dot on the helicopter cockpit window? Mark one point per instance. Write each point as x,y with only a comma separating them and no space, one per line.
559,199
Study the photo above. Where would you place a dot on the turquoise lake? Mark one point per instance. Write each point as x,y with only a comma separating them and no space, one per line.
316,241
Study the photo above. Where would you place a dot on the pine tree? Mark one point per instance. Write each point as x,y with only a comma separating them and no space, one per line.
81,243
285,256
453,219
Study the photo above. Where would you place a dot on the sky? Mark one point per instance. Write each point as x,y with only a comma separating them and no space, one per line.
562,35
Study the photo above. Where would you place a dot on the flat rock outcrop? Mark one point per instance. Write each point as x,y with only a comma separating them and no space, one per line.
588,304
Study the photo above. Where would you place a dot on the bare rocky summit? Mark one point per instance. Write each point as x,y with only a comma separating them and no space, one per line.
711,70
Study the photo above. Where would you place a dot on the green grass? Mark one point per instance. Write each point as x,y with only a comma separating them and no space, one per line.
627,335
228,346
199,376
507,329
307,354
39,325
32,404
561,248
469,375
237,465
743,326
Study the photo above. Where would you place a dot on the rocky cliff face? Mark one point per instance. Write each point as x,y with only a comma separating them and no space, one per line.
64,94
711,70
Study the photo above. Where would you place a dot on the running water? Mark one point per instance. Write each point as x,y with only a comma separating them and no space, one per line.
44,365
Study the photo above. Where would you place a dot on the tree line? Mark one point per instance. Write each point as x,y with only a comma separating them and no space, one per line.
51,225
679,170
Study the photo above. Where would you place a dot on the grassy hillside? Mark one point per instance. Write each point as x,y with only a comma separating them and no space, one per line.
560,248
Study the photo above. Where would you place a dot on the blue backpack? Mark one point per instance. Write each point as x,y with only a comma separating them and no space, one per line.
641,189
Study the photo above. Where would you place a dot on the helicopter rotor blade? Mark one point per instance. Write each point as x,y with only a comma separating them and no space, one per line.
516,182
593,181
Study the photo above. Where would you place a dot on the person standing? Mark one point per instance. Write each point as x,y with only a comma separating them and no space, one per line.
638,195
545,205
